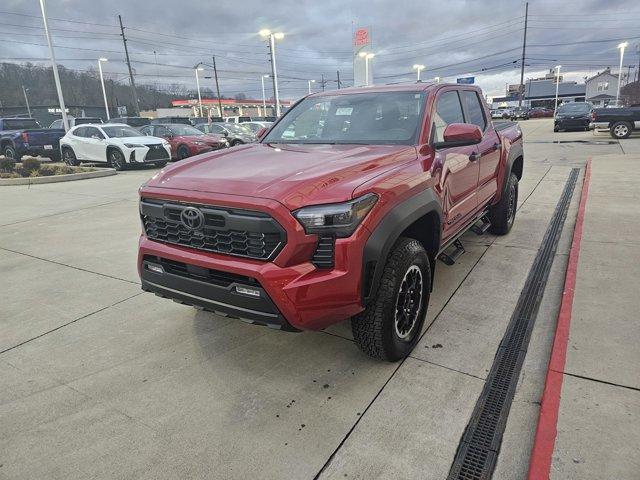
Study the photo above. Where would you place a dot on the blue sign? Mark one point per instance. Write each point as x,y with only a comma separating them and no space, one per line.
467,80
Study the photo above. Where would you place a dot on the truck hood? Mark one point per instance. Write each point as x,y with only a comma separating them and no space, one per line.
294,175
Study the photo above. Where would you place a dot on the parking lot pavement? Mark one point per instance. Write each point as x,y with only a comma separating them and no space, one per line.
100,380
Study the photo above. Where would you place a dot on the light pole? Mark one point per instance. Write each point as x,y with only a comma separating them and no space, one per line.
104,92
310,82
264,98
437,79
419,68
622,46
54,66
367,57
197,69
26,100
557,86
266,33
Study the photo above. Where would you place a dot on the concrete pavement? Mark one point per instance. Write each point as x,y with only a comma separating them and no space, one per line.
100,380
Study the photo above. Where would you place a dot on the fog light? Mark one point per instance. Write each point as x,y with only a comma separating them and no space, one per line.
155,268
252,292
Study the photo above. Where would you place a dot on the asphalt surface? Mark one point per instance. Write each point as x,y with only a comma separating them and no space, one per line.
101,380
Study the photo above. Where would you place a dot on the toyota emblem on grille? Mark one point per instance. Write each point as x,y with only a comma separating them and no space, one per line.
192,218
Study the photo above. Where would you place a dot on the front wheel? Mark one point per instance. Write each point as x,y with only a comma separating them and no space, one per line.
503,214
116,160
390,326
69,157
182,152
161,164
620,130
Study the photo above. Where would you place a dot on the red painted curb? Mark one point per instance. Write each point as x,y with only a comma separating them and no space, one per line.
542,452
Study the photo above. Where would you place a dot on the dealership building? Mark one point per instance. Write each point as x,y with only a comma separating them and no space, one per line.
230,107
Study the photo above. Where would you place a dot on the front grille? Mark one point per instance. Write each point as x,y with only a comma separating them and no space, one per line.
194,272
235,232
323,257
156,152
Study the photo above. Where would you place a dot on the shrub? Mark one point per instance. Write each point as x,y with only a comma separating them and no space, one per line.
31,164
7,165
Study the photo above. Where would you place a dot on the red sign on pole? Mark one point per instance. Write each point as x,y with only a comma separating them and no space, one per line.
361,37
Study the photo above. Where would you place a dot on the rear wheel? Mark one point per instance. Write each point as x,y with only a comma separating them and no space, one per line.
390,326
116,160
69,157
10,152
621,130
503,214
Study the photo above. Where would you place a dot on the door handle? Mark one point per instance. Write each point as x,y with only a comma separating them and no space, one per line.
474,156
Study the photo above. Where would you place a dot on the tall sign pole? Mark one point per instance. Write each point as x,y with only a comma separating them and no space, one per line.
136,107
524,48
54,66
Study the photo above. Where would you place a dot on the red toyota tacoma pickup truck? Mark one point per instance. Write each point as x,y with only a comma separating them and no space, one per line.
340,211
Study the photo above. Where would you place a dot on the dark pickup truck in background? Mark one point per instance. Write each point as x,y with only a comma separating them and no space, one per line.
25,136
620,122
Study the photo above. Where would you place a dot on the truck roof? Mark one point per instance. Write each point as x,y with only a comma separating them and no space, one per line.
398,87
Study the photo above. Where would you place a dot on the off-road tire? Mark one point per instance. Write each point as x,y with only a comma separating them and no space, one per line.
69,157
621,130
374,330
503,214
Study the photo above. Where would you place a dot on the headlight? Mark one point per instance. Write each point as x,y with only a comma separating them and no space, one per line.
199,143
133,145
340,219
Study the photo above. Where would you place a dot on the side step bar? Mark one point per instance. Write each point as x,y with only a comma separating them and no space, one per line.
479,226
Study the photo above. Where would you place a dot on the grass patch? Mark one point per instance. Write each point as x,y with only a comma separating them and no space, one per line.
31,167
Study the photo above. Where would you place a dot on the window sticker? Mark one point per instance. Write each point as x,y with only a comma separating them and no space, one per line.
344,110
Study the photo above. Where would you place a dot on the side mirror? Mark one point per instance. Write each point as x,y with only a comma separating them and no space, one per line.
260,133
460,135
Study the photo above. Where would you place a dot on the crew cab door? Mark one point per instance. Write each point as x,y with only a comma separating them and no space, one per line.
488,150
459,177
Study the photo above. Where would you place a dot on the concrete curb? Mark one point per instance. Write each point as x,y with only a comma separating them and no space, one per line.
103,172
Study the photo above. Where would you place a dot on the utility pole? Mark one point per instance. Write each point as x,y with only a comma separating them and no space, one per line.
338,73
273,76
26,100
524,48
323,82
136,107
215,74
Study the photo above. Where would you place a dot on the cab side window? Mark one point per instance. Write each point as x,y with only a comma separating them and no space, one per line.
93,132
474,109
448,111
80,132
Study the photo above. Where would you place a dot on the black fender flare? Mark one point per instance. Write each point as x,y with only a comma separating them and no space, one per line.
112,147
387,232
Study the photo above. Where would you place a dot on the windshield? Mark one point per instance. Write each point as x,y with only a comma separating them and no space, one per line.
184,130
21,124
121,131
236,128
577,107
366,118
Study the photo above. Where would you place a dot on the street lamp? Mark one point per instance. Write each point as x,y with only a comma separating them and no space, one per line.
557,67
367,57
104,92
419,68
310,82
437,79
622,46
272,37
197,69
26,100
264,98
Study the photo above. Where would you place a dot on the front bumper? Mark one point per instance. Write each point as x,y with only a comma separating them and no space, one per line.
141,154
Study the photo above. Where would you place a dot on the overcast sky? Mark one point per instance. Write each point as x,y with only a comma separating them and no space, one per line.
452,38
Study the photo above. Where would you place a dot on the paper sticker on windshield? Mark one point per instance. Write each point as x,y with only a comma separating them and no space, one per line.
344,110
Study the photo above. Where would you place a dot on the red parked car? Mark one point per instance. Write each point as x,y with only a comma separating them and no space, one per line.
540,112
186,140
340,211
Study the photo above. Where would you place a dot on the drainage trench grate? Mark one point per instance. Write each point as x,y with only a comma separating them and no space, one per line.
478,449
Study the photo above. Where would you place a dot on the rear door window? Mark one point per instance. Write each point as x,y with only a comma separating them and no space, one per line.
448,111
474,109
